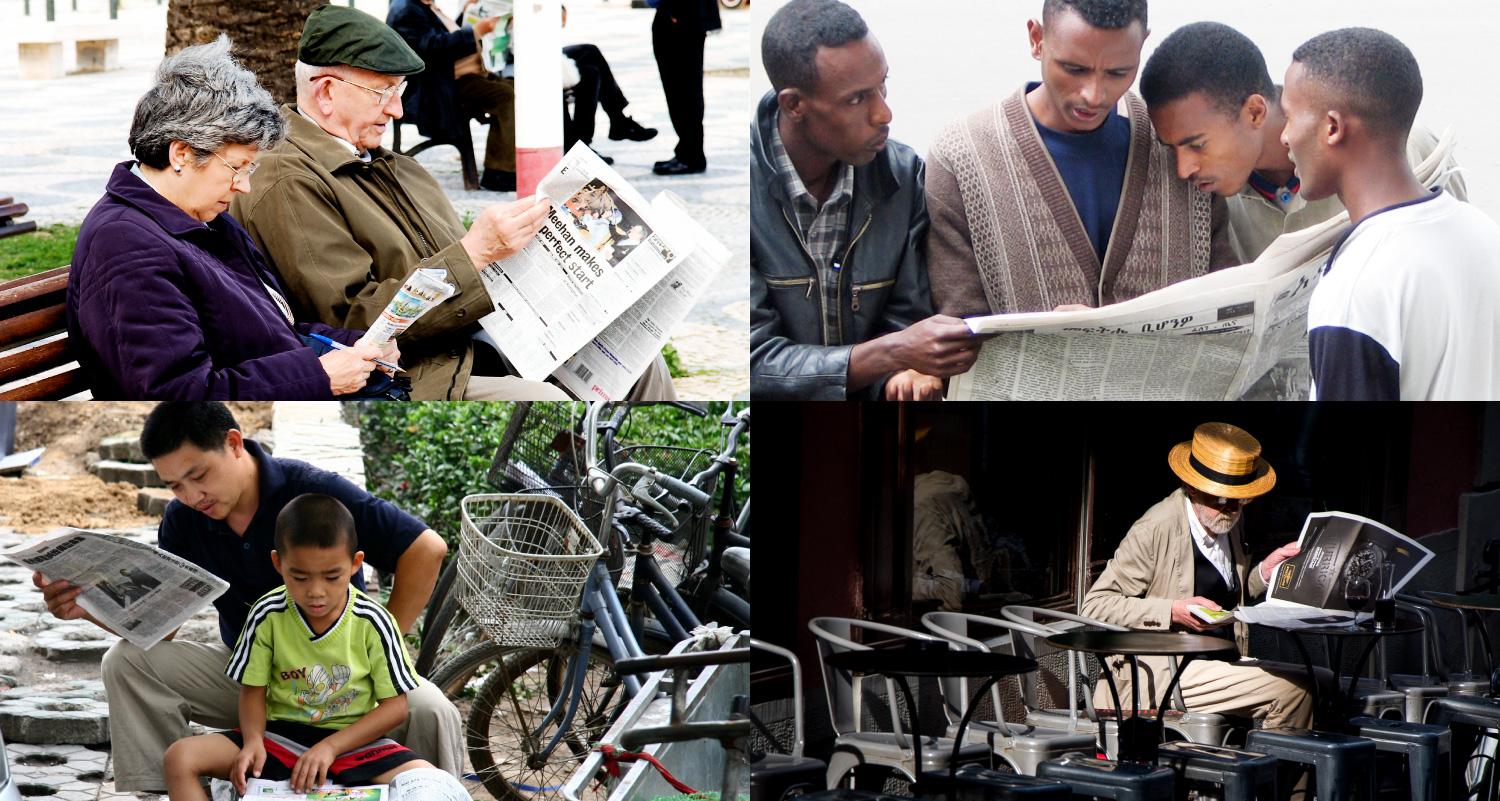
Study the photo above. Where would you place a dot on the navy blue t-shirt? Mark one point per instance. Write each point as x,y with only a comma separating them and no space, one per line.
1092,166
245,562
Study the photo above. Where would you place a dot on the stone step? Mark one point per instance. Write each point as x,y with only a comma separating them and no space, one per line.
71,712
122,448
153,500
141,475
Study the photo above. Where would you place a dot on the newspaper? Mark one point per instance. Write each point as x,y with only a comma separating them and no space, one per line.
602,256
493,45
1337,549
423,289
1238,333
140,592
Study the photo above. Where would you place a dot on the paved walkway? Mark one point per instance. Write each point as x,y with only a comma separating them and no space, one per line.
59,139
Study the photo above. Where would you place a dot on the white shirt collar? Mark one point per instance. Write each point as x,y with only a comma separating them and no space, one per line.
1213,547
363,155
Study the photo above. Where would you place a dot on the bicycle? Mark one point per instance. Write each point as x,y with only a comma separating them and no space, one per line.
543,708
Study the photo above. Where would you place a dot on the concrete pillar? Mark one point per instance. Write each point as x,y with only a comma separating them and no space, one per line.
539,112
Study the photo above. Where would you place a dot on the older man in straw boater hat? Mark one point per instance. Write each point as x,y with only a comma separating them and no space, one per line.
1190,550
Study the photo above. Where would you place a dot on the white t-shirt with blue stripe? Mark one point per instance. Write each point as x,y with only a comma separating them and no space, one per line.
1409,307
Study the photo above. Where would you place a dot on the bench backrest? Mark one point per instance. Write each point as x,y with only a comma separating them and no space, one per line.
35,361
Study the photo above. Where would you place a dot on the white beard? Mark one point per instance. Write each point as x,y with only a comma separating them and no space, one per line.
1214,521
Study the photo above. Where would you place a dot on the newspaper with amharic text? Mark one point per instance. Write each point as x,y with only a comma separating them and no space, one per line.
1238,333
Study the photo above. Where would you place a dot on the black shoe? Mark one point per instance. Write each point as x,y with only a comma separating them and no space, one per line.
602,157
498,180
626,128
677,167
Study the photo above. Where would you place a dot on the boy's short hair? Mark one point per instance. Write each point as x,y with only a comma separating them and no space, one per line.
1211,59
1374,74
1111,15
789,45
171,423
315,520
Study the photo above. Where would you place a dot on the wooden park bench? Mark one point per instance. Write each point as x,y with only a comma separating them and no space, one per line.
9,211
35,361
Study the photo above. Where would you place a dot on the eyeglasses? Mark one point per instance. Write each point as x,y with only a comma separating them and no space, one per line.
1217,502
245,171
382,96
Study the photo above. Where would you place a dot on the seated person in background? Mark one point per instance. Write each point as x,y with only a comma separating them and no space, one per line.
345,221
168,297
597,89
1408,307
838,285
1091,212
455,86
1212,101
322,668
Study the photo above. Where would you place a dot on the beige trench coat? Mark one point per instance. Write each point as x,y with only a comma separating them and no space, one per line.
1153,567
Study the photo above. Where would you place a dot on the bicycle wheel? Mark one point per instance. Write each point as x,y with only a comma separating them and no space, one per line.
455,674
452,632
511,704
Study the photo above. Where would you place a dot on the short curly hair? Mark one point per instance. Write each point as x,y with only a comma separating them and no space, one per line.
1108,14
1371,72
789,46
203,98
1211,59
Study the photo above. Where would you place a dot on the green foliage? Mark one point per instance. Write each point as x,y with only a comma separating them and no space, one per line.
425,457
674,361
42,249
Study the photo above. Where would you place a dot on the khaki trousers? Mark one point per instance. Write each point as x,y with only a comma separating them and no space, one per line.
1272,692
153,694
654,385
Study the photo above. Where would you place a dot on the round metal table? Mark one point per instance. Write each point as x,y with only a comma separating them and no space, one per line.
1140,737
1341,631
1476,604
937,661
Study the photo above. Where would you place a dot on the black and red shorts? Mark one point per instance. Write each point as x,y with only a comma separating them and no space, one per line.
287,742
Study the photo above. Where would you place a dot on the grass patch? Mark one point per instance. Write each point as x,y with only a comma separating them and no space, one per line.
42,249
674,361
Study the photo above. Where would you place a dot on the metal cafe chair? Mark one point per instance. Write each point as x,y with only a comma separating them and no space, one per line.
1022,745
850,698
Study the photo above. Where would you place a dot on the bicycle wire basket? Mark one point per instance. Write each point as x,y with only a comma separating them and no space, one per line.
688,546
539,448
522,564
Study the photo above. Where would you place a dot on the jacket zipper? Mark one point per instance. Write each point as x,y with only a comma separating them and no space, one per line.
815,281
857,288
838,268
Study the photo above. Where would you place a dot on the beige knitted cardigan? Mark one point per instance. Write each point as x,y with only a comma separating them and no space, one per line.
1005,236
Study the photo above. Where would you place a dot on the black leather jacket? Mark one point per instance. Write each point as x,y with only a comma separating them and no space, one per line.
883,285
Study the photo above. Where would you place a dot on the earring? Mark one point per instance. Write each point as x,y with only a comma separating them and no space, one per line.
177,169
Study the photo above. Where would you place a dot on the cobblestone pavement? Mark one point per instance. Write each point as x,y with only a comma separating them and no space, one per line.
59,139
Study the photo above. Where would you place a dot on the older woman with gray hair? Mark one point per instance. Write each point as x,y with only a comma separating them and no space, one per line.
168,296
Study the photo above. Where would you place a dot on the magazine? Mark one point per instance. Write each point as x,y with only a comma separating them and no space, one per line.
140,592
594,297
493,45
1342,556
263,790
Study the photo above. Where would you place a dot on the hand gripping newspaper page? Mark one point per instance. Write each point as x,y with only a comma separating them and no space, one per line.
1338,550
603,255
140,592
1235,334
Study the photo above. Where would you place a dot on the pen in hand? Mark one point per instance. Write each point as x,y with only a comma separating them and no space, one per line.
341,346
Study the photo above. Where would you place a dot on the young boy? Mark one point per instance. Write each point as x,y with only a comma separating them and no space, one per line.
323,672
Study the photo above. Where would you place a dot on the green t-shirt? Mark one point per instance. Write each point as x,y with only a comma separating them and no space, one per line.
328,680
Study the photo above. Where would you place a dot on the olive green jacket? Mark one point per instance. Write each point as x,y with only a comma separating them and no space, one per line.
344,235
1152,568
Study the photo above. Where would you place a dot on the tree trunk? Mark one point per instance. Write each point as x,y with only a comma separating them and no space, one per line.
264,33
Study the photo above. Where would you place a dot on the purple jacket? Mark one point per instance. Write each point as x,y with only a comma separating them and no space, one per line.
161,306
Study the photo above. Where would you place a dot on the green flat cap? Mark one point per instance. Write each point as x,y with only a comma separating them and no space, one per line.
335,35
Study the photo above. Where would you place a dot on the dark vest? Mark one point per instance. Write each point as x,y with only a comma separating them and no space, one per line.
1207,582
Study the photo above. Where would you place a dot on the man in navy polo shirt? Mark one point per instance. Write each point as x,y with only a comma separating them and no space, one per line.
228,492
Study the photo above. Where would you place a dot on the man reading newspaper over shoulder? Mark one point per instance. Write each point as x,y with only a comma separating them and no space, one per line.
1189,550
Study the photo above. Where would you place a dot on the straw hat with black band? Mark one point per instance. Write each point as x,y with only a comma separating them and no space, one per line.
1224,461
